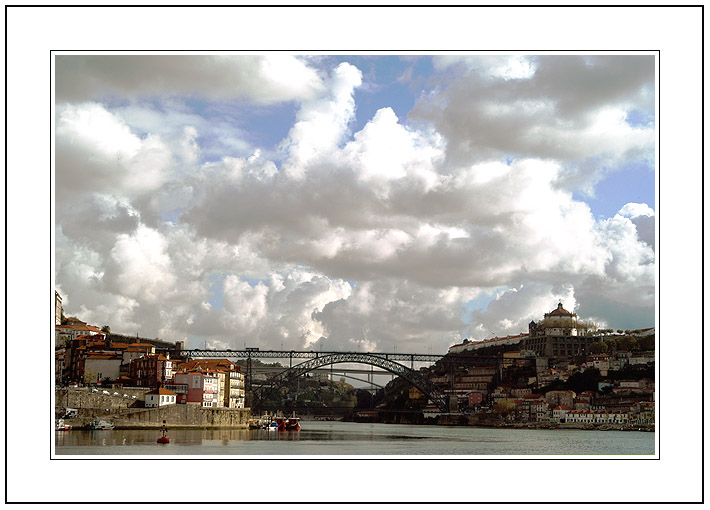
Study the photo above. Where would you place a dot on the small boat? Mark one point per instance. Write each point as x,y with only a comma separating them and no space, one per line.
291,423
100,425
163,440
60,425
273,426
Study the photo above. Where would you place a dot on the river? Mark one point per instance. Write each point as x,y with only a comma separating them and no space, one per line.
333,438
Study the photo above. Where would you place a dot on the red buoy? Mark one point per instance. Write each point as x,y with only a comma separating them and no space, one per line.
164,429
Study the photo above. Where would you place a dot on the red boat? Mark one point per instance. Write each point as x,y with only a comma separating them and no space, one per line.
291,423
163,440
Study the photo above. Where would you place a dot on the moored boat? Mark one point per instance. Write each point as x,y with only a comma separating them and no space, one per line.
60,425
100,425
291,423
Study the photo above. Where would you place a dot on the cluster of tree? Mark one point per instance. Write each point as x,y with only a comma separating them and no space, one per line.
308,393
623,343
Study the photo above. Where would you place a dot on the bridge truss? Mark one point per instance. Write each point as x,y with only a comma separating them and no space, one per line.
433,392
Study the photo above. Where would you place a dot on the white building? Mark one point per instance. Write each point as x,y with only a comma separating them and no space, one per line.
160,397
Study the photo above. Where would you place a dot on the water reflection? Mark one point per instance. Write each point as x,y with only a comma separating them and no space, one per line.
336,438
177,436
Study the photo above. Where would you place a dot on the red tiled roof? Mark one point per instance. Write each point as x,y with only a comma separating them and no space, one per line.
161,391
560,311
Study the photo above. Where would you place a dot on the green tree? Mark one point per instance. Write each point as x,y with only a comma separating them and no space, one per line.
106,329
598,347
629,343
504,407
647,343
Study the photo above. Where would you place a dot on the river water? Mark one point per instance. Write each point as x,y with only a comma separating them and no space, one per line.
342,438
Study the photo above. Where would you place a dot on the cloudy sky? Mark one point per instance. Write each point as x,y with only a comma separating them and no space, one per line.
353,202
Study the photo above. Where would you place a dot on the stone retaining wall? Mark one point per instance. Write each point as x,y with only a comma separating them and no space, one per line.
130,413
182,416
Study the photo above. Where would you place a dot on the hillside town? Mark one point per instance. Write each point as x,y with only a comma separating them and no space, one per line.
562,371
86,355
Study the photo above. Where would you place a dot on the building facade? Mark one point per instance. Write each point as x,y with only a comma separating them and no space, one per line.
160,397
559,333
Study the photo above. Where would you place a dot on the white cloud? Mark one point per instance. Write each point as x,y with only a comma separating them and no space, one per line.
323,123
633,210
368,239
140,267
512,310
571,109
96,151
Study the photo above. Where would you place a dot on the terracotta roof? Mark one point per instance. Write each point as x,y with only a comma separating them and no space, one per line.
560,311
161,391
104,356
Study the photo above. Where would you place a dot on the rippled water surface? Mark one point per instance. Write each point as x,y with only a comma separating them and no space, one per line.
339,438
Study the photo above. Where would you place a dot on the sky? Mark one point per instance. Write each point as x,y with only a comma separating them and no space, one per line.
366,202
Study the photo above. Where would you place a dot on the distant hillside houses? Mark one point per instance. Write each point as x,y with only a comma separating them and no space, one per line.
491,342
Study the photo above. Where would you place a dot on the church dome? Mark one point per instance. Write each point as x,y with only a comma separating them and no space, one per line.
560,312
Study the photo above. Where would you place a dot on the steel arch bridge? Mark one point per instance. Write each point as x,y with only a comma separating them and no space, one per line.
433,392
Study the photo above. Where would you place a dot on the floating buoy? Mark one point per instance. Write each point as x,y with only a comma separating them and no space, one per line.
164,429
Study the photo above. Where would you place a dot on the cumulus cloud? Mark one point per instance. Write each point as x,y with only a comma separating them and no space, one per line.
512,310
359,240
97,152
571,109
322,124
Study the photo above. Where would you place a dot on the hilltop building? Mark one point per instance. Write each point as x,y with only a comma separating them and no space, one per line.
559,333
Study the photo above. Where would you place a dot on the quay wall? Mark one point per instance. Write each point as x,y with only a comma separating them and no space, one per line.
129,413
182,416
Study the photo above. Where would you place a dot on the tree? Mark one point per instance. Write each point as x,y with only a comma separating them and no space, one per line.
647,343
504,407
106,329
628,343
598,347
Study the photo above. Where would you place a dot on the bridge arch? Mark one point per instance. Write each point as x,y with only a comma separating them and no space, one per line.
413,377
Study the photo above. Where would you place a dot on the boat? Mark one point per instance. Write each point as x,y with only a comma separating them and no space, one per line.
163,440
291,423
273,426
100,425
60,425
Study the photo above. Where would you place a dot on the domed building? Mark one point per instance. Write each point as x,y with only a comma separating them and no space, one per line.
559,333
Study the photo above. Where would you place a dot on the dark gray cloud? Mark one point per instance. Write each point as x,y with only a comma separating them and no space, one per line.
259,78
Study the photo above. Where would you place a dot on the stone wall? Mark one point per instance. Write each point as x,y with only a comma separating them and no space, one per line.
130,413
84,398
182,416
